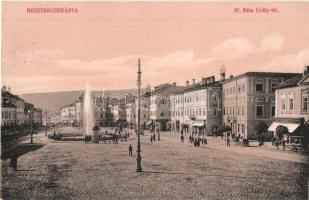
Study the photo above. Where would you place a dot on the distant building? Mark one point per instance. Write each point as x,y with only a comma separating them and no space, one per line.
292,103
17,102
119,112
144,110
37,116
8,116
68,114
130,110
249,99
198,107
160,106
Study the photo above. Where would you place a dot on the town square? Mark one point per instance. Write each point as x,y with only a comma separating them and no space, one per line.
157,100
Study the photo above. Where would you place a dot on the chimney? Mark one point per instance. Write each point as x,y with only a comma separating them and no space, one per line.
174,84
187,83
193,81
222,73
306,70
231,76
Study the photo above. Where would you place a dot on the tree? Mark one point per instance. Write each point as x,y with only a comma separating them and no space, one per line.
224,128
281,130
261,128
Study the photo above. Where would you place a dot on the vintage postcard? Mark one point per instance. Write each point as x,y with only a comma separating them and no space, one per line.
154,100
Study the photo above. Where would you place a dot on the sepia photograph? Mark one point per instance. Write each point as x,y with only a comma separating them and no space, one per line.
158,100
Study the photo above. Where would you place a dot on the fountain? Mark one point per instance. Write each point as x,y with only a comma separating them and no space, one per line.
88,114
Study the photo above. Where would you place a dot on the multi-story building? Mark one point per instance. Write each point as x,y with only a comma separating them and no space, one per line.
144,109
119,112
8,113
160,106
68,114
130,110
197,108
78,114
249,99
18,102
292,99
37,116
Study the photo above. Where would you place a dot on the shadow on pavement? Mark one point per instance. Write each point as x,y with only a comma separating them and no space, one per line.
20,150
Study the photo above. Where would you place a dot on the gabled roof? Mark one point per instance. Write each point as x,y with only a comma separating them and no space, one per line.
5,103
200,86
7,94
168,90
299,79
262,74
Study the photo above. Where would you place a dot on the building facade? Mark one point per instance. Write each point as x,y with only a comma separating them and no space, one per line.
144,110
198,107
292,98
130,110
249,99
68,114
160,106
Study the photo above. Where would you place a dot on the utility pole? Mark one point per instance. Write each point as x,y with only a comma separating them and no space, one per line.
30,119
139,157
45,123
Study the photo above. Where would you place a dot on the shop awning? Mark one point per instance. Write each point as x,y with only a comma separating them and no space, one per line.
198,124
291,126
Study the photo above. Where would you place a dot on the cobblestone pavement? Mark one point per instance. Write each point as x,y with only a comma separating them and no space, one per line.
171,170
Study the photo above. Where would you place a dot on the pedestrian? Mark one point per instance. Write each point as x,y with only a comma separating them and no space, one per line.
154,137
228,142
205,141
283,144
150,138
182,139
130,150
13,162
158,136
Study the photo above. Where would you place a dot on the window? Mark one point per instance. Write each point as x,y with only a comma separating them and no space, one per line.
242,110
273,87
273,111
259,87
305,104
238,110
243,128
214,112
223,110
204,111
259,111
291,103
243,88
238,128
283,104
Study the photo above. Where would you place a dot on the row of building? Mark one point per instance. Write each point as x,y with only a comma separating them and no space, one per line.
16,112
240,102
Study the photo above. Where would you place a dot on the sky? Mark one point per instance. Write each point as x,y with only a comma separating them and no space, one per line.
100,45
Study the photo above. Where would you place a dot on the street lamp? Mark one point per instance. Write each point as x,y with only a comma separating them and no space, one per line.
30,119
138,157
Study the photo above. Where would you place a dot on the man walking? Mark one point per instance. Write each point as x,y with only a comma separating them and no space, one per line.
182,139
228,142
130,150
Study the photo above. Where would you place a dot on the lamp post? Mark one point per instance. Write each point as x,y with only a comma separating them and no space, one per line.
45,123
30,119
138,157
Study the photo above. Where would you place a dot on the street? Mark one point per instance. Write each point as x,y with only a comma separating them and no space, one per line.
171,170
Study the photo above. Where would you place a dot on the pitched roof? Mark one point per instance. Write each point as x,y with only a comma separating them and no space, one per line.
5,103
167,90
7,94
299,79
263,74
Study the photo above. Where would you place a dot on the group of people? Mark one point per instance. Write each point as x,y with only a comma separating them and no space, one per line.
197,141
153,137
88,139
